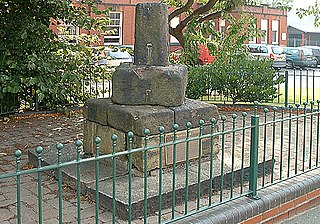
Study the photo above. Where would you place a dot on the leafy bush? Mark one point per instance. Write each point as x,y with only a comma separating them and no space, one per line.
241,78
40,67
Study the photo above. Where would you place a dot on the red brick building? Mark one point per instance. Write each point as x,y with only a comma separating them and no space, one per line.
272,21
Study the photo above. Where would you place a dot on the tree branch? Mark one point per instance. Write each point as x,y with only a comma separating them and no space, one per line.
181,10
198,11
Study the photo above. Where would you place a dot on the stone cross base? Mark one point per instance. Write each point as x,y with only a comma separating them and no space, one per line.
104,118
149,85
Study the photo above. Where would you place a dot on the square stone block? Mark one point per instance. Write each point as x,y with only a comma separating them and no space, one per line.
137,118
149,85
193,111
89,134
96,110
193,146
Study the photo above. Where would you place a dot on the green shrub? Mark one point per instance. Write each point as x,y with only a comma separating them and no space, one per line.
241,78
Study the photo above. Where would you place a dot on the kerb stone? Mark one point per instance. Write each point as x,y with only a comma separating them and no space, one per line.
139,85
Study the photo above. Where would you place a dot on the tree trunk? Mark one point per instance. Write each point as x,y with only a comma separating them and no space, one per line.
178,35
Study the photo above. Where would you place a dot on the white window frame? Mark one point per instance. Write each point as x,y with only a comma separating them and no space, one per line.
174,23
253,39
275,30
73,31
264,27
115,25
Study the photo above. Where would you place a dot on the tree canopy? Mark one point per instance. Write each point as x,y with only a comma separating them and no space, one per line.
196,27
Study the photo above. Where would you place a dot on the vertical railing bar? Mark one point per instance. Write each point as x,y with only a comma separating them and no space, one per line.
313,97
294,86
97,141
173,199
59,147
114,139
188,125
281,141
264,147
213,122
223,118
253,176
304,134
318,133
39,151
78,144
161,130
311,133
17,154
289,140
145,176
234,117
244,115
130,141
273,143
300,86
103,85
297,140
201,123
307,84
286,96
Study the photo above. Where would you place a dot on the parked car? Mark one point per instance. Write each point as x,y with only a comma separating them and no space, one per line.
273,52
114,57
315,51
300,57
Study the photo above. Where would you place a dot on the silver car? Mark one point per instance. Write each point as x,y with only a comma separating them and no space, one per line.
115,57
273,52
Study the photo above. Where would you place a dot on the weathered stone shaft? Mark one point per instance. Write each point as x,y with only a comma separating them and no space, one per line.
151,34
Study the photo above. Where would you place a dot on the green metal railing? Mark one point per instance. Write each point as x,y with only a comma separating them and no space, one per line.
275,146
301,85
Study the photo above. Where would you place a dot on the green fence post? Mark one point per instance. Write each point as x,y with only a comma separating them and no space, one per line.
130,147
78,144
17,154
59,147
39,151
114,139
286,94
253,176
97,142
145,176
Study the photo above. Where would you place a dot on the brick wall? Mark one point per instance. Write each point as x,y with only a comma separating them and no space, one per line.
127,7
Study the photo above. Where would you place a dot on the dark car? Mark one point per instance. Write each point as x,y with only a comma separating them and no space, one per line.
315,51
299,57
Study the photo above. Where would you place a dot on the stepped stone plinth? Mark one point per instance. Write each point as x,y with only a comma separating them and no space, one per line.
149,94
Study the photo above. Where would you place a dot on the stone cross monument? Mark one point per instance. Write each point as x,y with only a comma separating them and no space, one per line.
147,94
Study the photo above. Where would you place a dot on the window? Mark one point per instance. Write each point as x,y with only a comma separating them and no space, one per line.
253,39
275,29
222,25
114,31
67,32
174,23
264,29
274,37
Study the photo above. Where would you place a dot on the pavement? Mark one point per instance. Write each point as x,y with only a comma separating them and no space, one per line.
311,216
26,133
